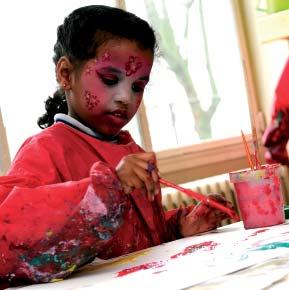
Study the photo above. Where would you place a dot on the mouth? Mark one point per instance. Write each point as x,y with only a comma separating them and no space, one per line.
121,114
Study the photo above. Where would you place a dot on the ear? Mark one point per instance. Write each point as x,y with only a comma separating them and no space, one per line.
64,69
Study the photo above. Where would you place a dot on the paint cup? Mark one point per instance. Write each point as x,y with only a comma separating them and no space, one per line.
259,196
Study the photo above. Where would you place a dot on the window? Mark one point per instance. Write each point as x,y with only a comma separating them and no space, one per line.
172,107
197,101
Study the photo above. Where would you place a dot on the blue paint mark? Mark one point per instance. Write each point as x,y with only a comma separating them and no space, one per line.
273,246
104,235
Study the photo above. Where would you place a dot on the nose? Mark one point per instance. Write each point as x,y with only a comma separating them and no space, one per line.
123,96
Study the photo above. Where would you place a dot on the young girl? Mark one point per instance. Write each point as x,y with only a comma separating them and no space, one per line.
82,188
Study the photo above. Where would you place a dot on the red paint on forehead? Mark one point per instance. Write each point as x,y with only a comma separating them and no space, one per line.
90,67
132,66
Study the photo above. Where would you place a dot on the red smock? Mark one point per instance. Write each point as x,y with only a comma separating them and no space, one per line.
61,205
276,135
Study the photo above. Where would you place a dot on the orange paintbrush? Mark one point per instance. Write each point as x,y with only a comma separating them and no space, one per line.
248,154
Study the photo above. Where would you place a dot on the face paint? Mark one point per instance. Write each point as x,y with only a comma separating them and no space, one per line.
132,66
108,91
91,100
106,56
89,68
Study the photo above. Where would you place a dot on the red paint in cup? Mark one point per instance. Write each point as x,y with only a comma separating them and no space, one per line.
259,196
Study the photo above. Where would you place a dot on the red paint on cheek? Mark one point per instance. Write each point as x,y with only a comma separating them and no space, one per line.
91,101
132,66
190,249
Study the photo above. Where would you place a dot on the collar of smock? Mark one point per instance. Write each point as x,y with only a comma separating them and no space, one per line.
79,126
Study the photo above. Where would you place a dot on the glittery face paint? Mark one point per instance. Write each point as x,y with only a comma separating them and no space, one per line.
110,87
132,65
89,68
91,100
106,56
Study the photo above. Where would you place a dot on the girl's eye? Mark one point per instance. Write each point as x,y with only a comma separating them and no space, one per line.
109,80
138,87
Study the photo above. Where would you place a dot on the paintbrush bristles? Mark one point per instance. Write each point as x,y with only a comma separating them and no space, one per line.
248,155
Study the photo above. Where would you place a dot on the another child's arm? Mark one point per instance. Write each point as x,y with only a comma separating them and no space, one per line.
276,136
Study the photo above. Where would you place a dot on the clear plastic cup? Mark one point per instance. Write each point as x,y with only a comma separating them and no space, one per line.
259,196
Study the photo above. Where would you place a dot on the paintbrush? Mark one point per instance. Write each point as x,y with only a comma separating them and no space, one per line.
203,198
248,154
256,149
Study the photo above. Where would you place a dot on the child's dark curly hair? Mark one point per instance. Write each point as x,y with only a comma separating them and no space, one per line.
82,32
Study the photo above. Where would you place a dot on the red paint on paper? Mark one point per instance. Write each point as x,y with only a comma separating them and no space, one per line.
258,232
208,246
151,265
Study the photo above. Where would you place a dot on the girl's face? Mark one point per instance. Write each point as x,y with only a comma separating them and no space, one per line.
109,89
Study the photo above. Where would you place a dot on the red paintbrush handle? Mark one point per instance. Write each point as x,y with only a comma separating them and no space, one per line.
203,198
191,193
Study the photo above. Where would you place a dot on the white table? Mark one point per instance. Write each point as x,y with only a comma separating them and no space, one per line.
222,259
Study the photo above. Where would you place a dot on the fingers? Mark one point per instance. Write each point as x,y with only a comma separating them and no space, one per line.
139,171
147,180
200,219
199,211
126,189
221,199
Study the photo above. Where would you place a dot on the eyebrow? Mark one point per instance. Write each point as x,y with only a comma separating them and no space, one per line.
118,71
111,69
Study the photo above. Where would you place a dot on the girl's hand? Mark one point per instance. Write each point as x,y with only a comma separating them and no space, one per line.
202,218
139,171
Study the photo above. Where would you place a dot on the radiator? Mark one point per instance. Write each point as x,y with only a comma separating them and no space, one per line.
172,200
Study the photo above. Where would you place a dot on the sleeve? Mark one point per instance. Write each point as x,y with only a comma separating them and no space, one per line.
49,230
276,135
172,224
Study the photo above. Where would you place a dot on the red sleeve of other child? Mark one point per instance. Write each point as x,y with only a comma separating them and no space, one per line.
276,135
